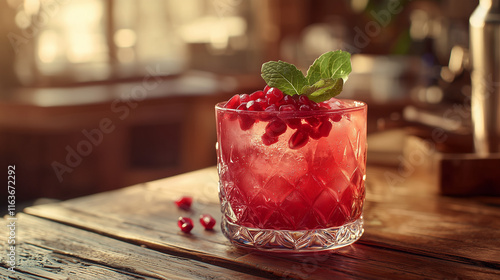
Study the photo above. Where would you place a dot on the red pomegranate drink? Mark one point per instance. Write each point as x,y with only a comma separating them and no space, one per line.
292,167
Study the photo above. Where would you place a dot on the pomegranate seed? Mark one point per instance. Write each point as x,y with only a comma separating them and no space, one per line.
243,106
275,128
234,102
244,98
336,117
313,121
256,95
314,105
287,107
273,96
262,102
315,134
324,128
266,88
250,103
293,123
232,116
207,221
185,224
299,139
306,128
271,108
246,122
304,100
290,100
305,108
184,202
268,140
265,116
253,106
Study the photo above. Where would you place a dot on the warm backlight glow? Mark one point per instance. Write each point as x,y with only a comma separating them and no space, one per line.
31,7
213,29
82,22
49,46
124,38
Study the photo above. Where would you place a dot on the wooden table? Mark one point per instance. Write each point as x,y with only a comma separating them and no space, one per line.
411,232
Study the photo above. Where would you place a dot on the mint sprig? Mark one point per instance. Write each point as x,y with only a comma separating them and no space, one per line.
284,76
333,65
323,89
325,77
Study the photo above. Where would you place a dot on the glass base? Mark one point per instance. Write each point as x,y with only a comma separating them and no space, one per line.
293,241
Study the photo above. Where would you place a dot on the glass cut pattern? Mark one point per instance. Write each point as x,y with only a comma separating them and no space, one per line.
298,241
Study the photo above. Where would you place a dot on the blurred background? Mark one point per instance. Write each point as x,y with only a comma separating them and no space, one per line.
101,94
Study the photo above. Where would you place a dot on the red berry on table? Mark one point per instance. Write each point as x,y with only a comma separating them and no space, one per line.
184,202
185,224
207,221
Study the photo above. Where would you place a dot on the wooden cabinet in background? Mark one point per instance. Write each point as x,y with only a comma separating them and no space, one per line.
105,138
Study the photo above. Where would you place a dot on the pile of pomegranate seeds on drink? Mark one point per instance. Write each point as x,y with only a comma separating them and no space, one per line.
272,100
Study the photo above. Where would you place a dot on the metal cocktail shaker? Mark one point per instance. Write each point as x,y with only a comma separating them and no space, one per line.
485,51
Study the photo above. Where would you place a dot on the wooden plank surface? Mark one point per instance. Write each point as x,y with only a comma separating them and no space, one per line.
408,234
50,250
412,217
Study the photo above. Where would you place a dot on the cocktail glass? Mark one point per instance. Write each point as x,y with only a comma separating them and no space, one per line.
291,196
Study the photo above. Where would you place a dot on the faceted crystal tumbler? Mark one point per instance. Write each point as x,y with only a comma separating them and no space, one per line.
300,191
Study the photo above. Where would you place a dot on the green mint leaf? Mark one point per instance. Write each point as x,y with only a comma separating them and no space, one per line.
330,65
284,76
323,89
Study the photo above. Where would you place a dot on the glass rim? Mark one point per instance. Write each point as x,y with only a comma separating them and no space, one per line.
359,106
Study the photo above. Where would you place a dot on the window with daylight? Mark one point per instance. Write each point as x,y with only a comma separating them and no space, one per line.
79,41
